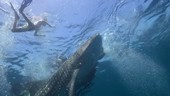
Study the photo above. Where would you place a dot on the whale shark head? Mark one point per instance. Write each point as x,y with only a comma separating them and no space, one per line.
89,53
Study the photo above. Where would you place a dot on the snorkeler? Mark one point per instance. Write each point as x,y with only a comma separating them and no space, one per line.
29,26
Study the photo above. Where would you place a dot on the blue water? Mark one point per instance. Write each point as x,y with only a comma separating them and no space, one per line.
136,40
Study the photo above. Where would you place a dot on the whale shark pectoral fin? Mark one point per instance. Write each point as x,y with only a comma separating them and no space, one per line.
72,83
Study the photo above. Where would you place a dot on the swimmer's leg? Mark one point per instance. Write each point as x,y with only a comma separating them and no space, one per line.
24,4
21,9
30,24
27,2
16,18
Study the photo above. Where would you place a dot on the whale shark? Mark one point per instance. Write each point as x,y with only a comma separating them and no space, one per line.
75,71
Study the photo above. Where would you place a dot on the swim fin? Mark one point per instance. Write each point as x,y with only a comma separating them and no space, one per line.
24,4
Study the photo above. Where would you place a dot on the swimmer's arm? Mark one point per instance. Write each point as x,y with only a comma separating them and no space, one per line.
48,24
35,33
